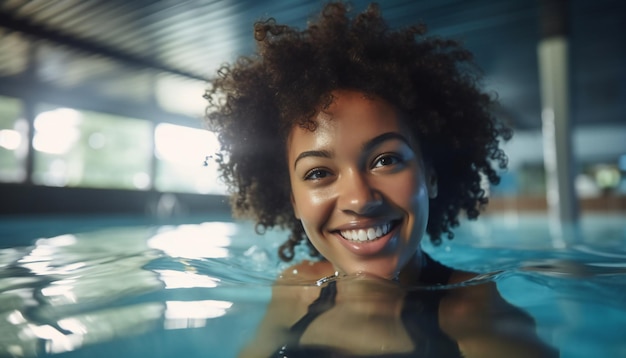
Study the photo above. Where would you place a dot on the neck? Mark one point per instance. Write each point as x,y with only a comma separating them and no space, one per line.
409,274
412,271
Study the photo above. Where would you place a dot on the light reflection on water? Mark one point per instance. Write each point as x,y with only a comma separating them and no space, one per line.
68,291
193,314
190,241
80,290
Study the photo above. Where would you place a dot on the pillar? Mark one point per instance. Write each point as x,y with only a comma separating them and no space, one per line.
556,121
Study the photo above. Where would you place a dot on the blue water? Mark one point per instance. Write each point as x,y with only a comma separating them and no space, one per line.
197,287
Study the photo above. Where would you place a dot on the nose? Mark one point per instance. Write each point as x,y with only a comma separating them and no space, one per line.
357,196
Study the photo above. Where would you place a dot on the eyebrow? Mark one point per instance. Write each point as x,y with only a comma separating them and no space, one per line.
374,142
312,153
371,144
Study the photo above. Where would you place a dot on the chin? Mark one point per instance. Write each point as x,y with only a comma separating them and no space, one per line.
377,269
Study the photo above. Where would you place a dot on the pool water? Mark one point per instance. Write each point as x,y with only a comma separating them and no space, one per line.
124,287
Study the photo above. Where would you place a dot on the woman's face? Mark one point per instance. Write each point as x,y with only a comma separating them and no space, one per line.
359,185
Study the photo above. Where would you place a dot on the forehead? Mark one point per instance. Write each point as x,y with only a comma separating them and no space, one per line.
349,104
352,116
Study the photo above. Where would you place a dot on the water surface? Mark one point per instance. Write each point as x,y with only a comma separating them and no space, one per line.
198,287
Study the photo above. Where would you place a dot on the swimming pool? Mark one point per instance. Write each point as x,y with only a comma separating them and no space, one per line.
197,287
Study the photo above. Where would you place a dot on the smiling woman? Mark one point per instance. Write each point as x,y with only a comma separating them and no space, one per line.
359,186
360,140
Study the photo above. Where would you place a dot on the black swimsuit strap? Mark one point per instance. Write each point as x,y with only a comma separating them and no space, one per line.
420,314
438,274
416,326
323,303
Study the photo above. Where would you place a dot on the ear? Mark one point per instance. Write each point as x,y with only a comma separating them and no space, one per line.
293,205
431,183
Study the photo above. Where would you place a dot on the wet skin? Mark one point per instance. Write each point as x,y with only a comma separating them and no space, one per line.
359,170
357,175
366,318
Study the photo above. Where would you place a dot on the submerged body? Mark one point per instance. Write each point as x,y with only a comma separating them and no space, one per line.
417,333
365,316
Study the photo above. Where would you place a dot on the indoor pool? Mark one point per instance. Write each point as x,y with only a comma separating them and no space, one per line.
198,287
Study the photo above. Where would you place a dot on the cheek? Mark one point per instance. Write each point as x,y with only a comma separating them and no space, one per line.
311,206
315,210
409,191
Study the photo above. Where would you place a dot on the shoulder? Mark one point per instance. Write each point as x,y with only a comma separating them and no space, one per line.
484,324
295,288
292,294
306,272
475,301
467,307
458,276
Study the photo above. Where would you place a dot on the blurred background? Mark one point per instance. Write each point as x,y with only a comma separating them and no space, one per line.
101,101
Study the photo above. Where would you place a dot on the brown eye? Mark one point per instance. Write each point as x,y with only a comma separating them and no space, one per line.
386,160
316,174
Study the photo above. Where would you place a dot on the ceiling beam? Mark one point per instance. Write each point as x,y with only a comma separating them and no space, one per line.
40,32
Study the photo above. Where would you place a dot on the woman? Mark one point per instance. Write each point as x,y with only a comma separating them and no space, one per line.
359,140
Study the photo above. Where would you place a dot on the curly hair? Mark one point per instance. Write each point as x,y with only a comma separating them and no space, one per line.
254,103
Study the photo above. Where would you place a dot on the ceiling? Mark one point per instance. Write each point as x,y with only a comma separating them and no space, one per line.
114,45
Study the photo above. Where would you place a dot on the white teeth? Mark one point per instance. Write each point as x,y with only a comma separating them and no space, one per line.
368,234
362,235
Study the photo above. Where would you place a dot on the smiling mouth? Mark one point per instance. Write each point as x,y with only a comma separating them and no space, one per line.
368,234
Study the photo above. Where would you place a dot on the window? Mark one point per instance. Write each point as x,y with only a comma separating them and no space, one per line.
181,153
89,149
13,141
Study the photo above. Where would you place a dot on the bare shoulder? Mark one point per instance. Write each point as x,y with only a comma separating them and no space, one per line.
485,325
306,272
459,276
292,294
474,303
294,290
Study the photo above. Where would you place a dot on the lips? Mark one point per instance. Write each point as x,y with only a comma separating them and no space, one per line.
366,234
369,239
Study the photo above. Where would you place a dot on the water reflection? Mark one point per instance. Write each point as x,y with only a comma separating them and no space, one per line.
193,314
69,291
208,240
93,327
82,290
176,279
